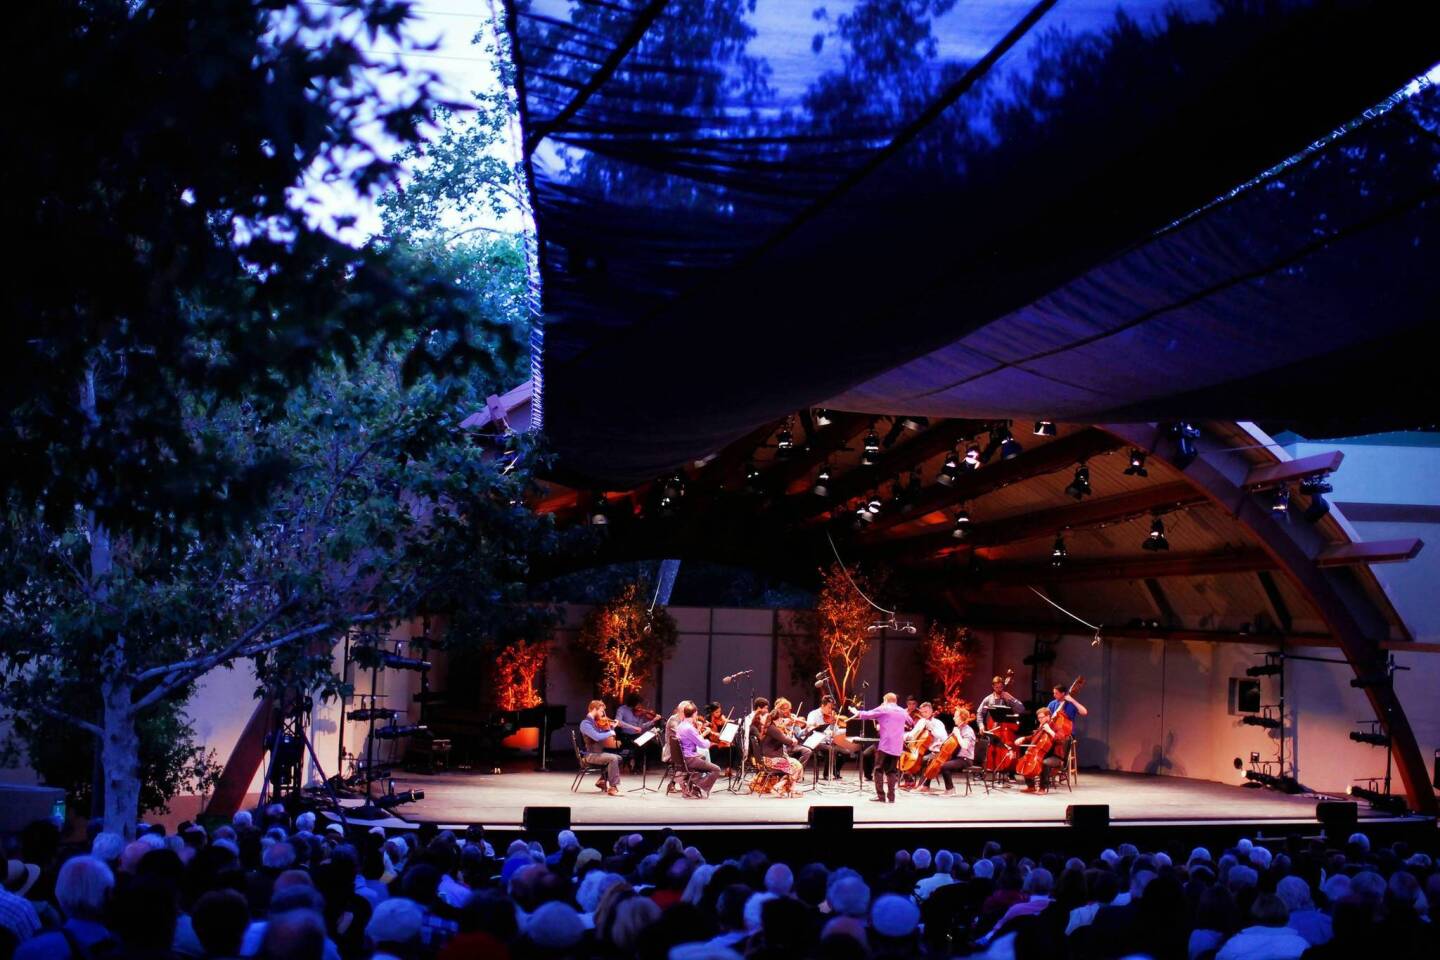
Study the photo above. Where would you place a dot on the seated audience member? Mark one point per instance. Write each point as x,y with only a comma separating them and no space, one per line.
1268,938
1305,918
83,891
219,920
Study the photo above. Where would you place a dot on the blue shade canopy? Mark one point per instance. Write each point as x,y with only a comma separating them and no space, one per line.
968,209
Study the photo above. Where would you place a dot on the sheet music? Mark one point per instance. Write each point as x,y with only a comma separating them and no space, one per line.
815,739
645,737
729,732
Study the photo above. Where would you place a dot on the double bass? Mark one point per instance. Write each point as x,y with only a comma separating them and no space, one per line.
998,761
1042,743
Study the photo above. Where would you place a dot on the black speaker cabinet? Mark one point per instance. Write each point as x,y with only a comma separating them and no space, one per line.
1088,816
1338,817
546,820
832,819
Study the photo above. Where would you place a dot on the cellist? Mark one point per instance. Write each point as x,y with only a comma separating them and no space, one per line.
929,732
962,753
1042,726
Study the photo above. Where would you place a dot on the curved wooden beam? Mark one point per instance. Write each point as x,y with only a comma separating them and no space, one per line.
1296,548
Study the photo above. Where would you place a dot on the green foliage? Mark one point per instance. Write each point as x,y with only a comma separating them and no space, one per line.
171,762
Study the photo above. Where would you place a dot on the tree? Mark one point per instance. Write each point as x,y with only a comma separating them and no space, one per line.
843,618
626,639
517,675
227,434
949,658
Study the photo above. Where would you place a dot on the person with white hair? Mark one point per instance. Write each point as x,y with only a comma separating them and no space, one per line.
243,820
305,823
753,907
1039,883
395,928
1359,841
695,886
779,880
83,891
107,847
1305,918
1268,938
944,867
849,896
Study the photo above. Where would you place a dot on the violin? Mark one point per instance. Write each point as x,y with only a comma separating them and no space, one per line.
605,723
646,714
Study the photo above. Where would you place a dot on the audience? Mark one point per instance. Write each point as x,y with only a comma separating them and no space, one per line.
269,887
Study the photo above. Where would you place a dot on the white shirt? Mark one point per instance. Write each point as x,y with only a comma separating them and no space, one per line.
937,731
1264,943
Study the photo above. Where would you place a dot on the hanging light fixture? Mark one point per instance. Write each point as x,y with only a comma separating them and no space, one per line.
873,505
972,458
962,524
784,442
1009,447
1316,484
1044,428
915,424
1058,553
1280,500
1079,487
599,511
872,441
1186,448
822,482
822,417
1156,540
950,469
1137,463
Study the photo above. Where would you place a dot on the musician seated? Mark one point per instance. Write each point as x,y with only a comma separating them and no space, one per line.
672,727
776,747
963,755
1042,725
701,774
633,718
929,728
836,748
600,745
783,714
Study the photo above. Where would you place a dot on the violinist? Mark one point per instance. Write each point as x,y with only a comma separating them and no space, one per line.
633,718
912,710
777,749
713,722
784,715
598,731
1042,725
836,747
700,773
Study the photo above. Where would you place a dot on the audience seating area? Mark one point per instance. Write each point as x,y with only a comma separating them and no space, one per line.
270,886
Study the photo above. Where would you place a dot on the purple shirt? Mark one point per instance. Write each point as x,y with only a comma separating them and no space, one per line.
691,743
891,719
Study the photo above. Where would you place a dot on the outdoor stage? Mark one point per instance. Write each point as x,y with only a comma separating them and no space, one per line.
458,799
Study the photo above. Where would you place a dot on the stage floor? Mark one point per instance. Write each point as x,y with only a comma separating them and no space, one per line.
456,799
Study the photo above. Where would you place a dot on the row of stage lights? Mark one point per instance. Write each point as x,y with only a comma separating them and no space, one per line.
671,489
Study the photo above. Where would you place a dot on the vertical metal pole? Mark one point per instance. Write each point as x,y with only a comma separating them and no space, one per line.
1282,705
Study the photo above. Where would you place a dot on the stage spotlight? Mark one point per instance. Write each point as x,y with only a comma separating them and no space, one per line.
872,441
862,517
1137,463
1372,738
1044,428
1283,784
1380,801
950,469
822,482
390,800
1280,500
752,478
1316,484
962,524
972,458
915,424
1269,723
1009,447
599,511
873,505
1079,487
1317,509
822,417
784,442
1156,540
1058,553
1186,447
1264,670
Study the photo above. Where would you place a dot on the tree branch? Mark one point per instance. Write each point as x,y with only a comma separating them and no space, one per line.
254,631
60,715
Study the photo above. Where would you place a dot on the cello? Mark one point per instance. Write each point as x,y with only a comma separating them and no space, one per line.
914,751
1041,744
951,744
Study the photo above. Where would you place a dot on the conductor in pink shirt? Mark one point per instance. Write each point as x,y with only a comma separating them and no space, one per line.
890,718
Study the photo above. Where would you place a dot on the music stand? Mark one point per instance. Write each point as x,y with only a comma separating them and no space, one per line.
547,717
642,741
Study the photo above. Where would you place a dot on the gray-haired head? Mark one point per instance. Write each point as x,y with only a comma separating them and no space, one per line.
83,888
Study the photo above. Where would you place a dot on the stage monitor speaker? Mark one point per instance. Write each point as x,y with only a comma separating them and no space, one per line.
1088,816
546,820
832,819
1338,817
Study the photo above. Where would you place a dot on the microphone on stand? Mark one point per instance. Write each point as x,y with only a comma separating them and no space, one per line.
736,676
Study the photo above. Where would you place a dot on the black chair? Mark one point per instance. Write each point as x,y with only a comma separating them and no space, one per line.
677,775
585,763
1061,763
